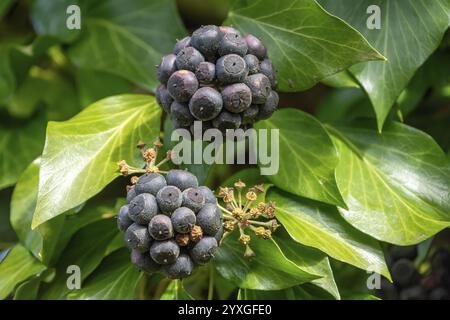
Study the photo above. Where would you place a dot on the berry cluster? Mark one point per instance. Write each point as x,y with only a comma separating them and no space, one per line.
244,214
171,223
219,77
409,283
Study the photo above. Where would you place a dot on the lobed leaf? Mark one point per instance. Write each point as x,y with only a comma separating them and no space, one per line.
410,31
305,43
307,156
395,184
81,155
320,226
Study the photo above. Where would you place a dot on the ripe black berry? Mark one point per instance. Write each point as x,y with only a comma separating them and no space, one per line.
188,59
227,120
268,70
255,46
150,183
252,64
182,179
143,208
181,44
169,198
206,39
205,72
131,194
250,115
164,252
236,97
180,112
204,250
183,219
144,262
269,107
181,268
182,85
123,220
200,75
260,87
205,104
166,67
138,238
232,43
208,194
163,97
160,227
231,69
193,199
209,219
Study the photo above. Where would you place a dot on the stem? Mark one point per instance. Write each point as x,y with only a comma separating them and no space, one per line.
211,282
177,286
162,162
259,223
240,198
224,209
227,216
247,205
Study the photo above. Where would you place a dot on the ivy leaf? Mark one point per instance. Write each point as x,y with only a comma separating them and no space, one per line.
410,31
176,291
19,146
84,253
115,279
122,42
95,85
56,27
270,269
81,155
48,240
306,291
320,226
396,184
308,156
305,43
18,266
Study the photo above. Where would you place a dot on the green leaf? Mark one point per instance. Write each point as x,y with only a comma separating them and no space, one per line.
270,269
23,203
17,267
95,85
28,290
343,105
115,279
127,39
305,43
81,155
410,31
176,291
307,156
49,239
4,7
396,184
83,252
7,235
55,27
303,292
19,146
45,88
320,226
342,79
311,260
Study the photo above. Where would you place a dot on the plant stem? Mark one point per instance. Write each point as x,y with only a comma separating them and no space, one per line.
224,209
259,223
211,282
